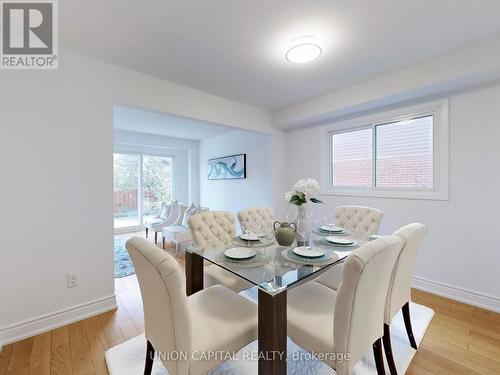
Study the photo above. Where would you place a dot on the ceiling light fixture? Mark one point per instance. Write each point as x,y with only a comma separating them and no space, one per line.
303,50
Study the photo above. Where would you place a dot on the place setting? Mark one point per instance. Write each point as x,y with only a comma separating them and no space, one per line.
243,257
331,229
253,235
338,242
312,255
253,239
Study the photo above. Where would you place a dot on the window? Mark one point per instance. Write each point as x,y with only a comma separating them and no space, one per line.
404,154
395,154
126,190
141,183
352,158
156,183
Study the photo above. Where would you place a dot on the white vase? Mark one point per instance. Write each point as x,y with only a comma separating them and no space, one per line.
302,234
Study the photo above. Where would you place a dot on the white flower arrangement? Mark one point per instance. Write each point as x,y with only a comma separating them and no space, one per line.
303,192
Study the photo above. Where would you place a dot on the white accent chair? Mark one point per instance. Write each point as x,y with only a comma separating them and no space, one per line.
399,295
322,320
257,220
179,234
157,223
365,221
211,229
210,321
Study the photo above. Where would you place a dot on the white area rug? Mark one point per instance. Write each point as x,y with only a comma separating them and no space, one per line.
128,357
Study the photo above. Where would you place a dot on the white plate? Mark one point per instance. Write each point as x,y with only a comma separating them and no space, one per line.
240,253
339,240
309,252
332,228
250,236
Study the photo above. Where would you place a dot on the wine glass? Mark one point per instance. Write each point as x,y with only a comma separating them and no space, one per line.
249,225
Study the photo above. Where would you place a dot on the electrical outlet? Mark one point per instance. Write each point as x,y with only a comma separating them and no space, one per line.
72,280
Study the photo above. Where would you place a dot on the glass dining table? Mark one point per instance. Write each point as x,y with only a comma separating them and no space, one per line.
274,270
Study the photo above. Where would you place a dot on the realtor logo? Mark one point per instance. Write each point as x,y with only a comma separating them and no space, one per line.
29,35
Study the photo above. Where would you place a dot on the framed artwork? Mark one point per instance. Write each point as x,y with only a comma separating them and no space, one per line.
230,167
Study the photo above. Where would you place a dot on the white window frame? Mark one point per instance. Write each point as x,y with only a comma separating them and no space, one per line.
441,129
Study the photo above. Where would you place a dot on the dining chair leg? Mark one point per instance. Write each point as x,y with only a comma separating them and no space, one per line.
156,238
177,250
150,355
163,243
409,330
147,231
379,357
388,349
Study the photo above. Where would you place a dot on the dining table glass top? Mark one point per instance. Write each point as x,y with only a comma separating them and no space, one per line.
274,268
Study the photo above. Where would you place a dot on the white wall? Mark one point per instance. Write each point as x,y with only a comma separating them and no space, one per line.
461,250
186,171
232,195
56,145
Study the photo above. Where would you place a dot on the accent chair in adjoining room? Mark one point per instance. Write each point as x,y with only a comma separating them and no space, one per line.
257,219
213,320
211,229
350,320
171,214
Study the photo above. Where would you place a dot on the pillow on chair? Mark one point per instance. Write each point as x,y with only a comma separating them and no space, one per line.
166,210
191,210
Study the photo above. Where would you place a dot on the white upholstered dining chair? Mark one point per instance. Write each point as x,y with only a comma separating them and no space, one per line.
210,321
359,219
399,295
364,221
257,220
348,321
212,229
180,234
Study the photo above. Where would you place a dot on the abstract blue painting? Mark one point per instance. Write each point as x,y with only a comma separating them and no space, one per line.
228,167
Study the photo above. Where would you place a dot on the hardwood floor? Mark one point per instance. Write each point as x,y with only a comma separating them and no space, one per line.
460,340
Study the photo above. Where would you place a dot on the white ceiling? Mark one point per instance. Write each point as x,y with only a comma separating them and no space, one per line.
235,48
149,122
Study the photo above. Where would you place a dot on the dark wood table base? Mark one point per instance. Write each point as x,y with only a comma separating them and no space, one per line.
272,333
272,319
194,273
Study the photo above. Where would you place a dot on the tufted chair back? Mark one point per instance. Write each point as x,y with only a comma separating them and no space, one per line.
166,314
210,229
412,236
363,220
257,220
360,303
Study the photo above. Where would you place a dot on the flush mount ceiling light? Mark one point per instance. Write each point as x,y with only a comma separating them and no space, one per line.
303,50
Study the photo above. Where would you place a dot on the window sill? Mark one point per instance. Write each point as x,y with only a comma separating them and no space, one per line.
390,194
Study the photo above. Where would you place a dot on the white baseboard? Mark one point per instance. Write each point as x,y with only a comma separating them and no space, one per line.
457,294
45,323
